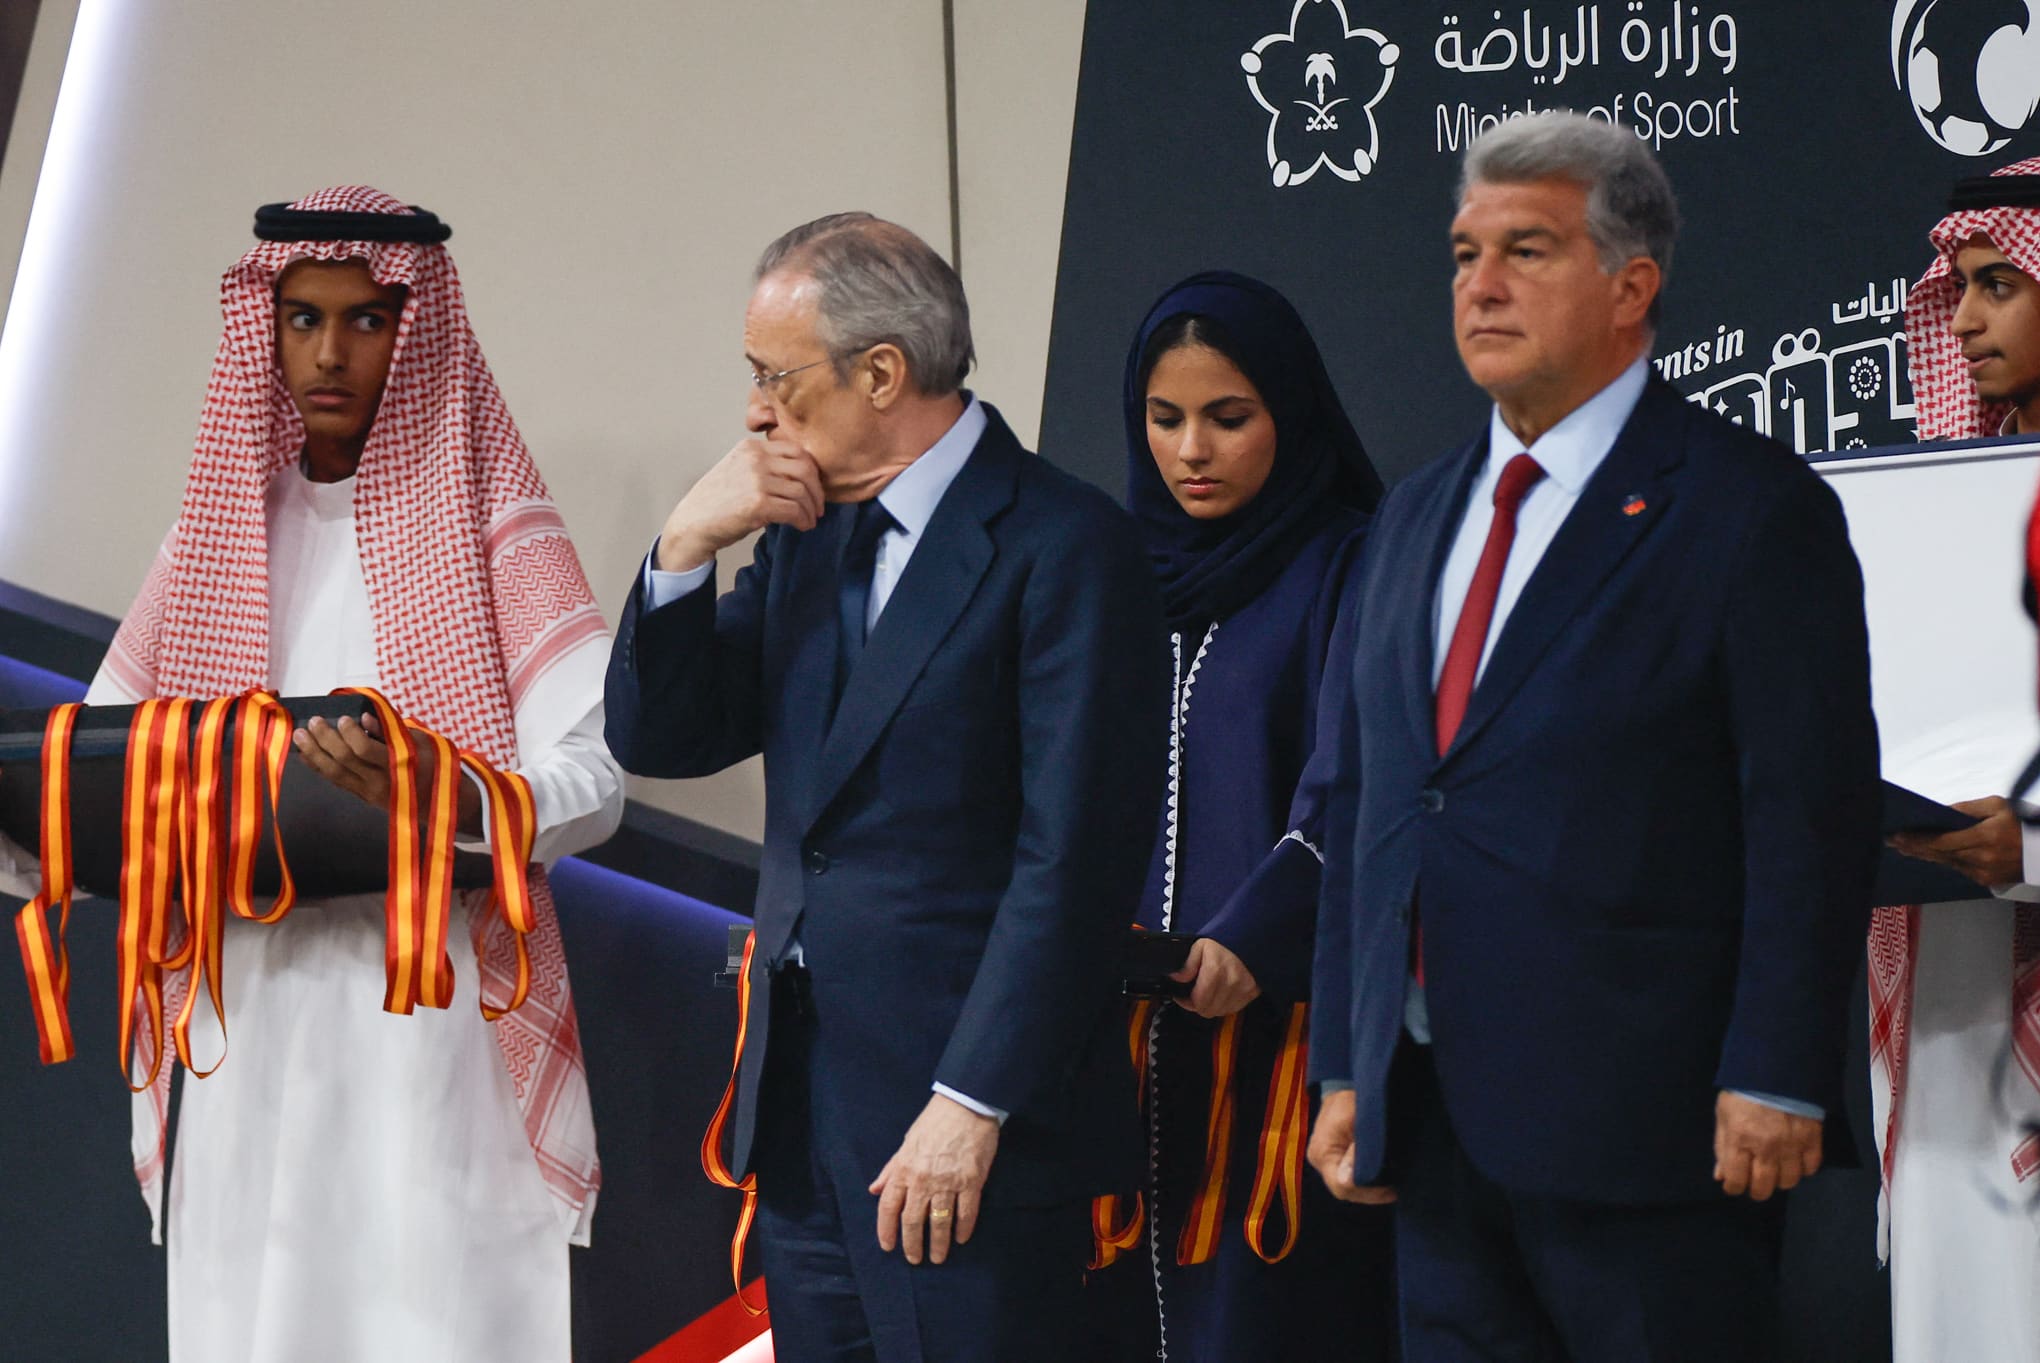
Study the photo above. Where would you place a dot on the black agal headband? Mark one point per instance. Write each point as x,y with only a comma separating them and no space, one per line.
281,222
1995,191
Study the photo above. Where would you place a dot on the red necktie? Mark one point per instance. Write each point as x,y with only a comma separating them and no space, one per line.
1469,636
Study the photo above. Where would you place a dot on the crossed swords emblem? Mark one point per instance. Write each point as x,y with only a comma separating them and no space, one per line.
1319,71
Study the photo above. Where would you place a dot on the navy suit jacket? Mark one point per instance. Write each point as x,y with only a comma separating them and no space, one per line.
1644,866
960,851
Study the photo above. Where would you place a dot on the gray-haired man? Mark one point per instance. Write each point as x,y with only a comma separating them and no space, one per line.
951,658
1599,863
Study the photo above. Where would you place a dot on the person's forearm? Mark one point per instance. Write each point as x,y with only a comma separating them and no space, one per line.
576,795
577,791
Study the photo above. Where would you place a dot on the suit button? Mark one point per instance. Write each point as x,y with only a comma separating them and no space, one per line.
817,860
1431,800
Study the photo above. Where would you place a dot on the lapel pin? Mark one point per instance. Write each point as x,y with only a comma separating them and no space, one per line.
1633,504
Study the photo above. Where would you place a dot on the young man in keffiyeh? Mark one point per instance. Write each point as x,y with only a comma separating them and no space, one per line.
1955,988
353,1185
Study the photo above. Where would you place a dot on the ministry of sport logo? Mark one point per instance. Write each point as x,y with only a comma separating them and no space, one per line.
1319,83
1970,67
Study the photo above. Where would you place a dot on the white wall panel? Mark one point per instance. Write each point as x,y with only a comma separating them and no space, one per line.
611,172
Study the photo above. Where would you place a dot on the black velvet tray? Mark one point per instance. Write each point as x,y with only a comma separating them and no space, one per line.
337,844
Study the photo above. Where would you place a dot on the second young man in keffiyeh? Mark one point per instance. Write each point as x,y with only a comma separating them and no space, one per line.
1955,988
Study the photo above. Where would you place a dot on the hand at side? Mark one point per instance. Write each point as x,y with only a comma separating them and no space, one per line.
1759,1149
1331,1151
934,1180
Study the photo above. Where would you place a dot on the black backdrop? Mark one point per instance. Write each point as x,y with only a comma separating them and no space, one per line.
17,27
1812,145
1807,180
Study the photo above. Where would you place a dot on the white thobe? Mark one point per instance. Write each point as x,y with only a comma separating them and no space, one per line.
353,1185
1964,1232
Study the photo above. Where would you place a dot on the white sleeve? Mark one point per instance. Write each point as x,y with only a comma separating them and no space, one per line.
2028,890
576,791
966,1101
663,588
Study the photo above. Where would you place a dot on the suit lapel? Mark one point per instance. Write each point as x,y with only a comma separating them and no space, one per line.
942,576
1598,534
1418,648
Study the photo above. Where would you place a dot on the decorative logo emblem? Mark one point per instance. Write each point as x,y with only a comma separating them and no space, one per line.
1633,504
1319,83
1970,67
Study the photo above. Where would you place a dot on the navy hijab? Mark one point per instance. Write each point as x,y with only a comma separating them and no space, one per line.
1208,569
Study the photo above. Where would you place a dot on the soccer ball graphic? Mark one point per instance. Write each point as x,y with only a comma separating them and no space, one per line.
1970,67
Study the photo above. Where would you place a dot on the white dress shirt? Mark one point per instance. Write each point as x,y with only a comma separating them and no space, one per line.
1570,453
910,499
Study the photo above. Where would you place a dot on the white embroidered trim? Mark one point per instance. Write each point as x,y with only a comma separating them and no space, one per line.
1294,836
1179,720
1154,1211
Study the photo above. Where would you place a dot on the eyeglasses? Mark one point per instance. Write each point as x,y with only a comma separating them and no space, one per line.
763,382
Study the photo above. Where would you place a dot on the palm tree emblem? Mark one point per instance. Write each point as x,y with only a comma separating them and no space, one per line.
1318,70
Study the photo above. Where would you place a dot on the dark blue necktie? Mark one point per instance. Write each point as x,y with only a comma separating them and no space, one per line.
868,525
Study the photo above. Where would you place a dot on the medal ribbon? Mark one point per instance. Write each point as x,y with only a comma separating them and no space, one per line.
1112,1234
1199,1239
189,837
46,962
1284,1130
712,1162
513,827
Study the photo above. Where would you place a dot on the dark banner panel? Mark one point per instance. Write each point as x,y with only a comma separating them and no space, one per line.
1316,143
17,28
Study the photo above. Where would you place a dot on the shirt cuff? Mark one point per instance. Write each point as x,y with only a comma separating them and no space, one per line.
1788,1105
482,843
1335,1086
982,1109
2029,841
663,589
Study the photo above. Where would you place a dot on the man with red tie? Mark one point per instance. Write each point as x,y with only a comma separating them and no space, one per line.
1603,795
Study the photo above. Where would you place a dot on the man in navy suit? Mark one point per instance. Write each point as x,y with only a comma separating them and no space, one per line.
947,652
1604,787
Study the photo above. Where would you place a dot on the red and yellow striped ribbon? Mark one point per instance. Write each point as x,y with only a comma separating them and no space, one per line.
189,838
1112,1233
1199,1239
206,835
47,965
712,1162
418,906
513,827
1279,1168
154,866
261,747
177,796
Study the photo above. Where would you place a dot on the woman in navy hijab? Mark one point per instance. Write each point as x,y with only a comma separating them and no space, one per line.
1253,493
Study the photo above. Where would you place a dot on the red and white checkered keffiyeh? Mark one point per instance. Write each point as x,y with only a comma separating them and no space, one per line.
475,589
1949,409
